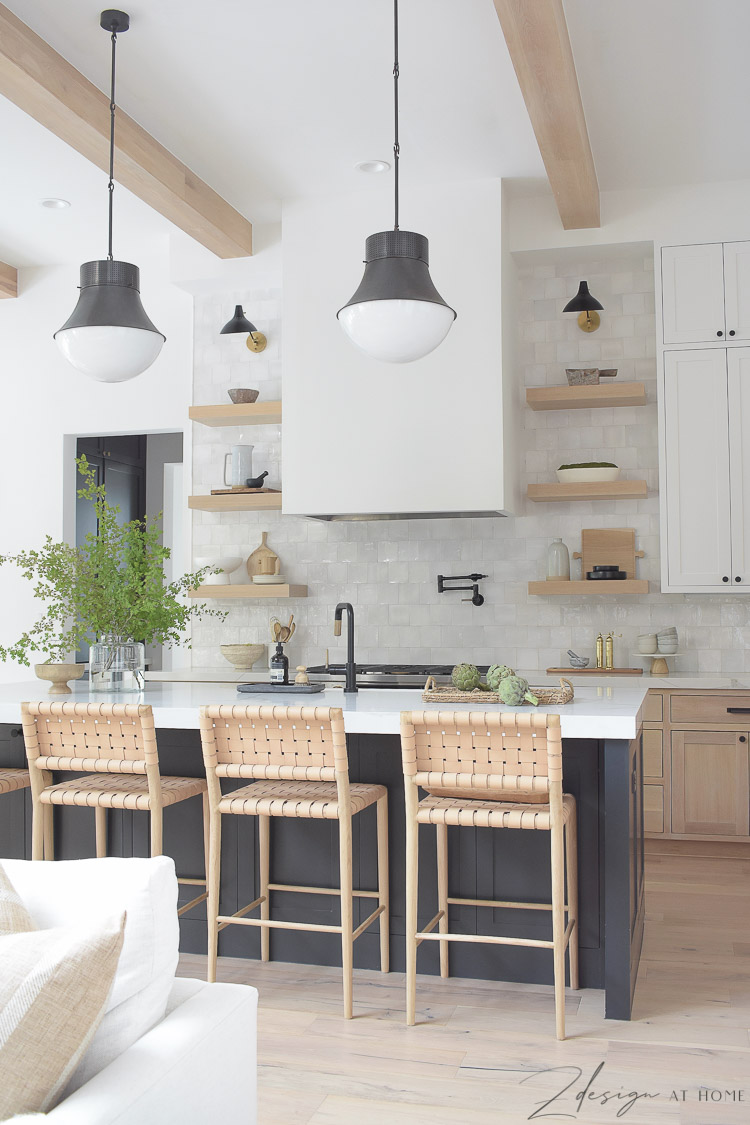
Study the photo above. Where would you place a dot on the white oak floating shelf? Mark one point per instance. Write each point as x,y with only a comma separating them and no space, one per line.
251,590
586,397
588,490
241,414
595,586
239,502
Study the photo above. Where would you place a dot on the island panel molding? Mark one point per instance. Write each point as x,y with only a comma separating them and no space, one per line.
8,280
539,46
45,85
241,414
586,397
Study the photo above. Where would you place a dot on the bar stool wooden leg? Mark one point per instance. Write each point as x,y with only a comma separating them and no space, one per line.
412,860
347,945
212,905
571,840
206,811
442,878
264,864
49,832
384,894
156,831
101,832
558,926
37,830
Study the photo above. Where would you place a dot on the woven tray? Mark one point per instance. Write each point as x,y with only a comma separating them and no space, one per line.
555,697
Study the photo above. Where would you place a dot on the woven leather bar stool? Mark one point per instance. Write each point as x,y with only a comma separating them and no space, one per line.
114,744
11,780
489,771
296,760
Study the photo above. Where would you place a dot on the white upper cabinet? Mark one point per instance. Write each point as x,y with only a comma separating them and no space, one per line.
706,293
696,499
737,289
738,369
693,293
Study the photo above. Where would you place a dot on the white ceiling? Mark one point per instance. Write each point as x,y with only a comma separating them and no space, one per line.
665,86
269,99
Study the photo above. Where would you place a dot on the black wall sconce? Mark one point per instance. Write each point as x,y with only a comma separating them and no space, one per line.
256,341
587,307
474,580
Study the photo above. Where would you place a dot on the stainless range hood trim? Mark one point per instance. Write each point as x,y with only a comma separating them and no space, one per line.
363,516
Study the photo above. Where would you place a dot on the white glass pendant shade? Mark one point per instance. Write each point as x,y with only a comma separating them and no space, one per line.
109,353
396,331
396,314
109,337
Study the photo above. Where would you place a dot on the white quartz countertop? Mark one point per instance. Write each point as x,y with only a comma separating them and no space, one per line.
607,711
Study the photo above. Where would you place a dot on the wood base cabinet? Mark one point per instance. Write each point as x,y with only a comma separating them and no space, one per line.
696,755
710,783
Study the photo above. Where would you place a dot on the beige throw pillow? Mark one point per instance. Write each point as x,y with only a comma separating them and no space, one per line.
54,986
14,917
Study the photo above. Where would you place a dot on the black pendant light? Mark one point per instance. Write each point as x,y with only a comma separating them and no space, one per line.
396,314
584,303
109,336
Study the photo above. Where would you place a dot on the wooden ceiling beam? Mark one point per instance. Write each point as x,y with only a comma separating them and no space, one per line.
43,84
539,45
8,281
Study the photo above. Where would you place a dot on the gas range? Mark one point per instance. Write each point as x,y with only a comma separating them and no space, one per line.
385,675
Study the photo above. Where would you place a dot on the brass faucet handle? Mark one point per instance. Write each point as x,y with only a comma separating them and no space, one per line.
337,628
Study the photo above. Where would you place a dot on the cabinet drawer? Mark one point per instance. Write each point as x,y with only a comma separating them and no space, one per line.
711,708
653,808
653,708
653,754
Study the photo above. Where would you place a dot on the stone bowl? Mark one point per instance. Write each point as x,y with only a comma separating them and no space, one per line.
242,394
243,656
58,675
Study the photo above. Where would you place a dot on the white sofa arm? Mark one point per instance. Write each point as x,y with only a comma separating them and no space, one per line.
197,1065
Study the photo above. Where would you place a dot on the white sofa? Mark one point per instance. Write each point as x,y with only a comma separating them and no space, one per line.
192,1064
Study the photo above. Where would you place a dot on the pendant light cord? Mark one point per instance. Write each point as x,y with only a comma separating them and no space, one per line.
111,186
396,150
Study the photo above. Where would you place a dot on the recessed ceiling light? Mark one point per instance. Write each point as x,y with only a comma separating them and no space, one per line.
373,166
54,204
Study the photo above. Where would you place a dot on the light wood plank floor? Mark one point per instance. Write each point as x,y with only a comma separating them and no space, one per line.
476,1053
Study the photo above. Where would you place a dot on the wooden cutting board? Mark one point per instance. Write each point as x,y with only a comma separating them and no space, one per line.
263,552
595,671
608,547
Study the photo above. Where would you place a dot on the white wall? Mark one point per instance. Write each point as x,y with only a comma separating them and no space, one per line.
364,436
46,400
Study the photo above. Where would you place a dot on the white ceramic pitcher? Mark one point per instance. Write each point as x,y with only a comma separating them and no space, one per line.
241,465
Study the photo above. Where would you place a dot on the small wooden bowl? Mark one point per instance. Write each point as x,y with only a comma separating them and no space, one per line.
242,656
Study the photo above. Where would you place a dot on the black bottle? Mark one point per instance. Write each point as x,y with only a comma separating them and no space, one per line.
279,666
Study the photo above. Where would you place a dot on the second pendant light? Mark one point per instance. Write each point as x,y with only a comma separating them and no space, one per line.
396,314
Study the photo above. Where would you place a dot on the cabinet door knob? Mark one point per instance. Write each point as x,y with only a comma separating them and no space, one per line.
742,738
719,333
732,332
725,578
738,579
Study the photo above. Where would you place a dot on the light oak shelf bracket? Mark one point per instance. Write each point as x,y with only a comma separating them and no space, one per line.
249,590
241,414
239,502
589,588
592,490
586,398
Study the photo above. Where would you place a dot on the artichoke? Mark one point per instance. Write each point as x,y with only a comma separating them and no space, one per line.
496,673
465,677
514,690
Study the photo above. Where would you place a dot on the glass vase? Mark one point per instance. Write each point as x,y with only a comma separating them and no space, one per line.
117,664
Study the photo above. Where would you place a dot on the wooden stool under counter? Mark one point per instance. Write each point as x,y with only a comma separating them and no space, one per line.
485,770
114,744
296,761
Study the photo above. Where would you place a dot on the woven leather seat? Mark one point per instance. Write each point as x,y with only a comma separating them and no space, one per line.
124,792
489,770
312,799
114,744
296,760
490,814
11,780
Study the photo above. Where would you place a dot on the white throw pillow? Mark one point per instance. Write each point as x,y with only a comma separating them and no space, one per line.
70,892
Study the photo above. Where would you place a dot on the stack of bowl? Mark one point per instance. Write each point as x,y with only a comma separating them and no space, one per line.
667,640
647,643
